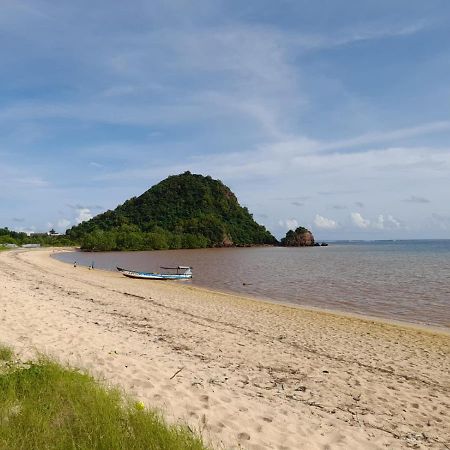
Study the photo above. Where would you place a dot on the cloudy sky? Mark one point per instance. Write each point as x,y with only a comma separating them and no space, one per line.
334,115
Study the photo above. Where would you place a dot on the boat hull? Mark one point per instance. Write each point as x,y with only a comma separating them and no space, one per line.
154,276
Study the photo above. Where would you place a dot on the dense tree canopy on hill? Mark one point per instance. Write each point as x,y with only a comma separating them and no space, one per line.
182,211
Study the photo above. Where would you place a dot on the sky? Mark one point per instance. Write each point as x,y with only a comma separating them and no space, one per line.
332,114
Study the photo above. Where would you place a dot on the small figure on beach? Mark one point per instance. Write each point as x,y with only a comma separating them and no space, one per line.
91,266
75,264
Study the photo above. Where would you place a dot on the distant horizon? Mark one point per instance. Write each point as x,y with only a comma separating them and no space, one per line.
321,239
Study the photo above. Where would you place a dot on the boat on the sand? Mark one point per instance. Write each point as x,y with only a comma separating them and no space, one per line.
182,273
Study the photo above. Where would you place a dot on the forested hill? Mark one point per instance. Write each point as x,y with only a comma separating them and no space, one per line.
182,211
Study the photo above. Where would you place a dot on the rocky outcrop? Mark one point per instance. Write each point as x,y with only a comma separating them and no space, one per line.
301,237
227,241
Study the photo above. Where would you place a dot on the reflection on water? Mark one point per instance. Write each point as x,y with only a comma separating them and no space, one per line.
398,280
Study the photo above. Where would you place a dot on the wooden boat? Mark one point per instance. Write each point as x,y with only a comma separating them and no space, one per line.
183,273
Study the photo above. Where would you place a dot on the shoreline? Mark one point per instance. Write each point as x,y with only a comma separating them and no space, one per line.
245,373
434,329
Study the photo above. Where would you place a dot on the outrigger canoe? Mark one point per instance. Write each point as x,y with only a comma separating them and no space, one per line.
185,275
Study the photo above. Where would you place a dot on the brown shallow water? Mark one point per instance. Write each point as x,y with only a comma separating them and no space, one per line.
405,280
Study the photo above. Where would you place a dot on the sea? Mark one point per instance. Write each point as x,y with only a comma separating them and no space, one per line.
407,281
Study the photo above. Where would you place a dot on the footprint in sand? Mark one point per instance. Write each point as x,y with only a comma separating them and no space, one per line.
243,436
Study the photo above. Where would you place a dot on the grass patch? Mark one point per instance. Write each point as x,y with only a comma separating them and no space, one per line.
46,406
6,354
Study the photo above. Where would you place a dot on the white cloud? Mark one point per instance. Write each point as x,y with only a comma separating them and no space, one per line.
96,164
441,221
288,224
367,32
63,223
32,182
83,215
374,32
387,136
382,222
379,223
326,224
393,221
359,220
27,230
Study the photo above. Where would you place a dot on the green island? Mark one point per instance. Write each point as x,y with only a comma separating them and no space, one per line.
46,406
182,211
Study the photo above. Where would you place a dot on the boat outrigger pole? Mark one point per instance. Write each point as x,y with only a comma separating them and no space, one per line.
178,268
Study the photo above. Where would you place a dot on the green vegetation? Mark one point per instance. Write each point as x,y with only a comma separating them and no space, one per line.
182,211
6,354
14,237
45,406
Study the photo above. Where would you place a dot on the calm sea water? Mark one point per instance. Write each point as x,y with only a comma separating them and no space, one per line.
400,280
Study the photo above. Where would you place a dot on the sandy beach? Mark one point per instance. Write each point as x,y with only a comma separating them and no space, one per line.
244,373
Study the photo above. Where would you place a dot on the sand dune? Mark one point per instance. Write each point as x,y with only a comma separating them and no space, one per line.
245,373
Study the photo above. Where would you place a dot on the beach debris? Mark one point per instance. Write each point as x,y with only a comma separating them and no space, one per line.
300,389
133,295
176,373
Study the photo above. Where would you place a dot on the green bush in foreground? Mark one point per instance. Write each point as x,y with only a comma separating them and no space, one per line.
45,406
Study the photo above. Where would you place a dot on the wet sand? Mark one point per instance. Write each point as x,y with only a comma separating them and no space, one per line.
244,373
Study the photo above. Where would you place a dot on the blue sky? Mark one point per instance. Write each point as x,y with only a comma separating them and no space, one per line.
334,115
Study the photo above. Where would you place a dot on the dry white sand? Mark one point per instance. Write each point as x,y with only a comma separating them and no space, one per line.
247,374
